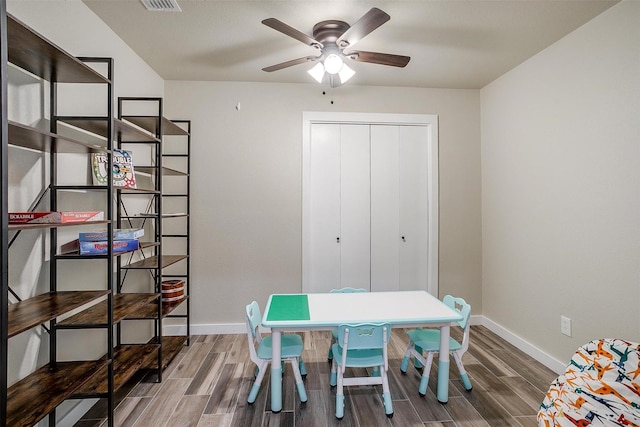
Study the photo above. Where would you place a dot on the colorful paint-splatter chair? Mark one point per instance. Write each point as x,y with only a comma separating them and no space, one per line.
260,353
600,387
428,340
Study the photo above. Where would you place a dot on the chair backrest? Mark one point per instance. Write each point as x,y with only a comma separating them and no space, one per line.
462,307
347,290
253,334
364,336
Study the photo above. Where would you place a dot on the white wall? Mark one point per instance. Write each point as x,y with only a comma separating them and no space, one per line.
561,188
247,185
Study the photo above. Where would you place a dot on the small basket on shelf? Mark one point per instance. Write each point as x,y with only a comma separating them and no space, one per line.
172,290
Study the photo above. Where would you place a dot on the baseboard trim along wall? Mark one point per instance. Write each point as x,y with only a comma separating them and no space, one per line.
554,364
542,357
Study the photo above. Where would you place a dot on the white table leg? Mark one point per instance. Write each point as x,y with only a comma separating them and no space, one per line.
443,366
276,370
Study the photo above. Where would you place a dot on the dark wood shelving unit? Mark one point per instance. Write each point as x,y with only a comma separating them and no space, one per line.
33,397
160,127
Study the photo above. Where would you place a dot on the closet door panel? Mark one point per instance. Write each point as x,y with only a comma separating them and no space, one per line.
414,222
354,206
385,216
324,212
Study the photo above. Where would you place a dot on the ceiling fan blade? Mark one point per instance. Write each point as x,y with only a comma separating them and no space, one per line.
291,32
379,58
369,22
291,63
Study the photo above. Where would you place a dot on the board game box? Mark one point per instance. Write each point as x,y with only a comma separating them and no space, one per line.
99,248
121,169
54,217
118,234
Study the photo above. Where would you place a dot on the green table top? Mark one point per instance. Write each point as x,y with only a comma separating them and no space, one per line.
289,307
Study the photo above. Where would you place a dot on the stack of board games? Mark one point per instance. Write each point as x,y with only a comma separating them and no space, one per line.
95,242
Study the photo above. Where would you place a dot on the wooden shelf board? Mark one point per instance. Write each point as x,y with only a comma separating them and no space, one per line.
127,360
99,126
34,311
16,227
165,171
152,262
32,52
123,305
32,398
171,346
150,123
24,136
137,190
150,310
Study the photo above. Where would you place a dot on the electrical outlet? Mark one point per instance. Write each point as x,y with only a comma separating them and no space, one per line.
565,325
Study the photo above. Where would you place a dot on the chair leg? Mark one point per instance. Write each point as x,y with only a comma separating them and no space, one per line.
334,374
386,393
262,369
299,383
405,359
339,406
463,373
424,380
375,371
330,354
416,361
339,394
303,369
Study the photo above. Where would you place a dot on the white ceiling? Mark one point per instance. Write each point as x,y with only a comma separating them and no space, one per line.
452,43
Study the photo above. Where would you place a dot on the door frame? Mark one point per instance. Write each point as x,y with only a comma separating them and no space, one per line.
427,120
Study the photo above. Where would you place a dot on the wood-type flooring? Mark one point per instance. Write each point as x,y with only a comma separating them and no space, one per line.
208,383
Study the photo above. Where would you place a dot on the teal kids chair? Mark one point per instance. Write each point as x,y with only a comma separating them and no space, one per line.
334,333
260,353
427,341
361,346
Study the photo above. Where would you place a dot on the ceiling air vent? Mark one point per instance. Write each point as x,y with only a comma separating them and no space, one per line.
161,5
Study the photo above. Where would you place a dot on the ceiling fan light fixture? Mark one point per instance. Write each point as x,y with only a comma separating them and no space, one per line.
345,73
317,72
333,63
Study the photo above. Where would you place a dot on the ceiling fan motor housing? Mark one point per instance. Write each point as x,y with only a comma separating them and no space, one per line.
327,32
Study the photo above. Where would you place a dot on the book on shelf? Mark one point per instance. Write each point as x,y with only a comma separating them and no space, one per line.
121,170
54,217
118,234
99,247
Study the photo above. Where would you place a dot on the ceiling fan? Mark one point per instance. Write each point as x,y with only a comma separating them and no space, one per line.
334,39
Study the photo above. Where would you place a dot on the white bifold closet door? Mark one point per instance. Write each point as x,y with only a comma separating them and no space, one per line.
368,216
